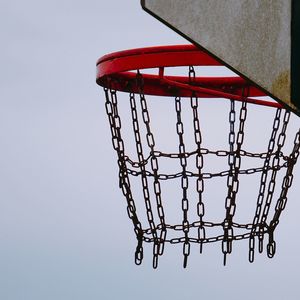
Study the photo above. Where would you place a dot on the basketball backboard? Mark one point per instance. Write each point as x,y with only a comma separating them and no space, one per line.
258,39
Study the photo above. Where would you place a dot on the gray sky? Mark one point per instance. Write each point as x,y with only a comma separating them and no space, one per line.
64,231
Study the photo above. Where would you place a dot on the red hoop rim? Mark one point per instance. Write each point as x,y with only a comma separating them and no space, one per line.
118,71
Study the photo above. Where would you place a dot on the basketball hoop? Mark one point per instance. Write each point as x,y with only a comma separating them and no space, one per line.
125,72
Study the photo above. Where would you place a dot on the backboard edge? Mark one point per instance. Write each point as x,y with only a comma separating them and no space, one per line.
217,58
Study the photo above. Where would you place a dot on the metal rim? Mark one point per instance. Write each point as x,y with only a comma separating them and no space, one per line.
118,70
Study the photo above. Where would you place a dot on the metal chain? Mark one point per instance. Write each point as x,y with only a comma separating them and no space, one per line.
196,224
274,160
202,241
199,161
205,175
184,181
262,189
111,106
139,149
204,151
220,153
271,247
234,162
229,204
286,183
159,246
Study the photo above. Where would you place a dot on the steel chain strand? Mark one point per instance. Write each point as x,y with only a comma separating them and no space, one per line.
159,248
124,179
206,240
262,189
226,244
233,182
118,145
199,161
286,184
196,224
214,239
204,151
219,153
184,180
271,187
139,148
204,175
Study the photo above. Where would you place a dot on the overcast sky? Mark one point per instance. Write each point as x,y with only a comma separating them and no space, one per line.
64,230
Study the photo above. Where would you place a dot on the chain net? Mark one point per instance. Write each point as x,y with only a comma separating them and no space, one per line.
155,227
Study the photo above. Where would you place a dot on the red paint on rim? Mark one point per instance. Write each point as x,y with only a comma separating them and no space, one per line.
118,71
